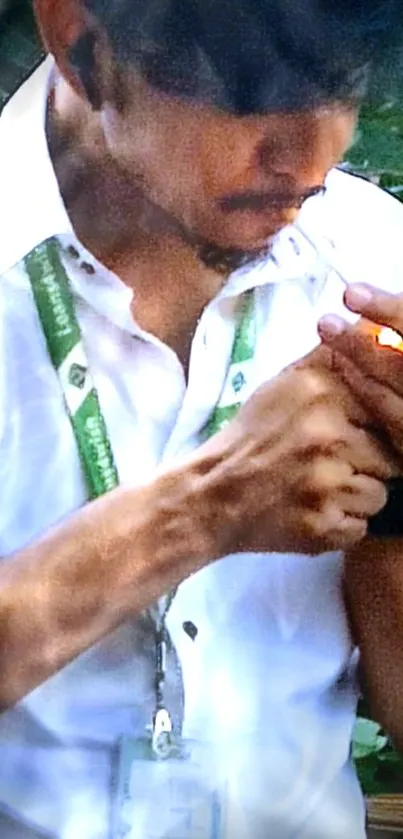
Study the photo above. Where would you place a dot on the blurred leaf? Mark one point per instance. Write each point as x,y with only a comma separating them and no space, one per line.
379,766
377,151
367,739
379,143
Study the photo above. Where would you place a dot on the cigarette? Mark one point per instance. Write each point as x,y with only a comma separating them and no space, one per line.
382,335
327,253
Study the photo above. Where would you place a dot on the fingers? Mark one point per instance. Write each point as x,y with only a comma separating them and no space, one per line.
342,520
335,480
384,364
347,401
332,529
369,455
332,494
376,305
385,405
364,498
323,480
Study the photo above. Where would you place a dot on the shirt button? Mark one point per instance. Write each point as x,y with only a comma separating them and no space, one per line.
73,252
190,629
89,269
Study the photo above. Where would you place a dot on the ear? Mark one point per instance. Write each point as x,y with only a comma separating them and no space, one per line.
61,24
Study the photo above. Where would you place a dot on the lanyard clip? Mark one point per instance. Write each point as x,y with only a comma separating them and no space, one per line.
162,741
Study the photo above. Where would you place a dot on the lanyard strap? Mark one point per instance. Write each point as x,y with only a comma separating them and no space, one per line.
55,305
56,310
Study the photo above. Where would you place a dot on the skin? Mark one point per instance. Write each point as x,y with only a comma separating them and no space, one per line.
175,149
373,569
147,172
151,171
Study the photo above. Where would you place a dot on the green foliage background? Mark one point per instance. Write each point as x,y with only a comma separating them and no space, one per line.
378,149
378,154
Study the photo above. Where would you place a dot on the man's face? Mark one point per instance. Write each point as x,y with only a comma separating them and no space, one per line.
230,181
225,181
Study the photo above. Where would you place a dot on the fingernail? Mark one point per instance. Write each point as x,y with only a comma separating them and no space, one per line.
330,326
358,295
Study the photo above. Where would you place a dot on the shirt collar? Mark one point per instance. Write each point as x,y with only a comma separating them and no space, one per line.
32,209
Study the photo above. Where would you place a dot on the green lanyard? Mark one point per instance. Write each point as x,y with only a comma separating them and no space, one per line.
55,305
56,310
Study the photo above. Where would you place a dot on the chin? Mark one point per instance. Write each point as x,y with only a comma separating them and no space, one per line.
249,234
227,260
249,243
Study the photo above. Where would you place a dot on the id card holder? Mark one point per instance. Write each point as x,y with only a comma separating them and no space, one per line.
180,797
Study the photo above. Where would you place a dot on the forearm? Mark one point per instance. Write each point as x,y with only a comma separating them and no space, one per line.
374,590
108,562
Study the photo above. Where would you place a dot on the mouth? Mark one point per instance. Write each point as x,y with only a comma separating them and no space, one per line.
259,204
253,230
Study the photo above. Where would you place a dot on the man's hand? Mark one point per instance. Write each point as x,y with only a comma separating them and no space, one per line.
373,569
296,470
373,373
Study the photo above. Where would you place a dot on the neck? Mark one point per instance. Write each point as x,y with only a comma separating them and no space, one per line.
110,215
104,208
131,237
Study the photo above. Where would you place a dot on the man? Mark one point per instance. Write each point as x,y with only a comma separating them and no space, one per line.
175,657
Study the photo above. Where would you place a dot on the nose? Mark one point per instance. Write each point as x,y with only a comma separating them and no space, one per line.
300,148
269,152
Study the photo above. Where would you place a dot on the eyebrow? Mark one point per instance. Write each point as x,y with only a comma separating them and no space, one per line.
280,198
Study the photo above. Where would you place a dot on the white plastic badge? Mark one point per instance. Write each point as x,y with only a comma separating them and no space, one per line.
182,797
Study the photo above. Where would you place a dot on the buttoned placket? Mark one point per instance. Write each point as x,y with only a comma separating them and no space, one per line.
211,348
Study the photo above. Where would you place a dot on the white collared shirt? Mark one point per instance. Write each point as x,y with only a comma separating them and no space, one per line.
269,675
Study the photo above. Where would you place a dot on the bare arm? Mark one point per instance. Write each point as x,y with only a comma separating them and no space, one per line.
269,481
374,591
109,561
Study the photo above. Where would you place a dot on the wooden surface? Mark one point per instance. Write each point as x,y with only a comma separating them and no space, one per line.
385,816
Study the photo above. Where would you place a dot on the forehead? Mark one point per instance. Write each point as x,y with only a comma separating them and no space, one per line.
193,133
280,131
195,109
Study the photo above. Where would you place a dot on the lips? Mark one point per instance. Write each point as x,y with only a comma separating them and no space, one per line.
282,202
261,224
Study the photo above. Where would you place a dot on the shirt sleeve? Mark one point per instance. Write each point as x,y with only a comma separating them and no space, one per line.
367,224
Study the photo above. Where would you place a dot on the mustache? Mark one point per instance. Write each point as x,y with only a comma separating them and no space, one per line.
274,200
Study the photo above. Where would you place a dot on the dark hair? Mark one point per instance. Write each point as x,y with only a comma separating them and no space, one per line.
249,56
